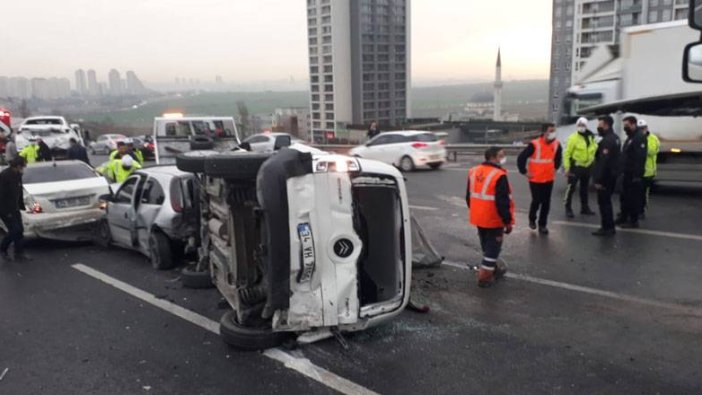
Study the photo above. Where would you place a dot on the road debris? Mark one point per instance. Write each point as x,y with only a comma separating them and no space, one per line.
4,372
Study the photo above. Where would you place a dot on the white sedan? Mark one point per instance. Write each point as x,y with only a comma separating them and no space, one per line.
407,150
269,142
62,200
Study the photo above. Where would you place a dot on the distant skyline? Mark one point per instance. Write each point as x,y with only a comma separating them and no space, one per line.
250,42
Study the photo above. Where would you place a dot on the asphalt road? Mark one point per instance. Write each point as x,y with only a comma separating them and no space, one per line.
579,315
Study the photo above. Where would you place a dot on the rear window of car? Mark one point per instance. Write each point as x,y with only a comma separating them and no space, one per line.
425,137
41,174
43,122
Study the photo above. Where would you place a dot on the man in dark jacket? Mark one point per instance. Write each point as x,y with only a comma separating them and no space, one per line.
11,202
605,173
45,154
633,167
77,152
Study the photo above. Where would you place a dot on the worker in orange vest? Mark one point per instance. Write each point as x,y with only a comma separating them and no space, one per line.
491,210
539,162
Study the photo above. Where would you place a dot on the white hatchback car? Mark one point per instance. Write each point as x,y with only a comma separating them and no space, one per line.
269,142
406,150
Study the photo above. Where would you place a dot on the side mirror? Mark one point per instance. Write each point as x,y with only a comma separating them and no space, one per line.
106,198
692,62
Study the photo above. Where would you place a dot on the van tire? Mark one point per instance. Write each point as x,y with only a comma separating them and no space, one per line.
236,166
192,279
199,143
160,251
194,161
249,338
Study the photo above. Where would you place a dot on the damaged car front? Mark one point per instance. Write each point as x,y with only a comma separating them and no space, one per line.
305,244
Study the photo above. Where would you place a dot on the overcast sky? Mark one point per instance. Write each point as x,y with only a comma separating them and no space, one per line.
258,40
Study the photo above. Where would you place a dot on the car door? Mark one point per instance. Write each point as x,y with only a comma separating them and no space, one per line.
121,213
150,202
376,147
397,147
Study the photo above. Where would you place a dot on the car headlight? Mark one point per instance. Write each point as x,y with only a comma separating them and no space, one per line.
339,166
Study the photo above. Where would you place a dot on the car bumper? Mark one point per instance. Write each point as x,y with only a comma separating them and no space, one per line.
69,226
421,160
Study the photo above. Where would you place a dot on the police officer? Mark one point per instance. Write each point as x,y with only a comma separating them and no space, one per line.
134,152
120,169
30,153
119,152
539,162
489,200
634,154
653,146
605,173
578,159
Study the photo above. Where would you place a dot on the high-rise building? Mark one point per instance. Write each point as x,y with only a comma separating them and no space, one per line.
115,82
359,63
4,87
497,111
81,83
134,85
93,85
19,87
581,25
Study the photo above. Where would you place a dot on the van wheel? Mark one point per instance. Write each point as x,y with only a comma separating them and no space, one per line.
241,166
190,278
249,338
160,251
406,164
193,161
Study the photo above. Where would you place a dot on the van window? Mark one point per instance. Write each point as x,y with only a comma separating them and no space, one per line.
153,193
202,128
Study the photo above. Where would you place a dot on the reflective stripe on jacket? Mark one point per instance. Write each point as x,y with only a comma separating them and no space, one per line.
541,164
653,147
483,210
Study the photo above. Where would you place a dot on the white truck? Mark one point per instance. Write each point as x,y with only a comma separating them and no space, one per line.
642,76
176,134
55,131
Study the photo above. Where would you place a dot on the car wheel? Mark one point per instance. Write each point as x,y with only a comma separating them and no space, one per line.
102,235
194,161
160,251
249,338
435,166
241,166
191,278
406,164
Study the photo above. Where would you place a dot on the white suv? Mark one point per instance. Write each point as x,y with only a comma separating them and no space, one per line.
334,254
407,150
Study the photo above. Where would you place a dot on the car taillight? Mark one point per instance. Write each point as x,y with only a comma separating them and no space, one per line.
420,145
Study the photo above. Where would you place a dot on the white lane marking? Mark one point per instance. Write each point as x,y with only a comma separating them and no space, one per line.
301,365
594,291
639,231
423,208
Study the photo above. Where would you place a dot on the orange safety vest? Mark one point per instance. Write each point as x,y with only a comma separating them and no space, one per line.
483,210
541,162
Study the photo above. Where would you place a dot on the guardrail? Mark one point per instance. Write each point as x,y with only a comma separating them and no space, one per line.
453,151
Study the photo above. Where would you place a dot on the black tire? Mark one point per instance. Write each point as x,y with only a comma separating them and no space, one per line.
241,166
199,143
160,251
406,164
435,166
194,161
102,235
246,338
196,280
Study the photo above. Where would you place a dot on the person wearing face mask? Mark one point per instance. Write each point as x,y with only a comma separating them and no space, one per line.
605,173
489,200
539,162
633,167
577,160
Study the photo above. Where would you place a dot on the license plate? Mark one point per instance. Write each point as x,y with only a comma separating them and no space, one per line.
72,202
304,231
435,157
